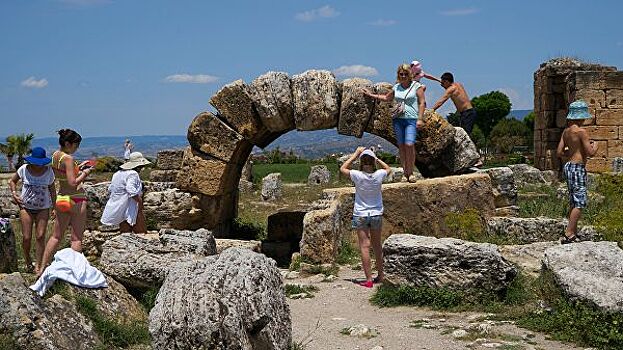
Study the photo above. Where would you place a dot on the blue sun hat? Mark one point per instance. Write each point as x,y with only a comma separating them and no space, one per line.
578,110
38,157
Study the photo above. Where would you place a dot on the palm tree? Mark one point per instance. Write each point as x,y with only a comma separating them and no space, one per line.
7,150
21,146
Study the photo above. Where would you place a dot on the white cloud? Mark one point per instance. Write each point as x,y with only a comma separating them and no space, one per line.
84,2
459,12
315,14
383,22
356,70
193,79
33,83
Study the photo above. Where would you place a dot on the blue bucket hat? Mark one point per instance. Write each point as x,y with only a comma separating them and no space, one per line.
38,157
578,110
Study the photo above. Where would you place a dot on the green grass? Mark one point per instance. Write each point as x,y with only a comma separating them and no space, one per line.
292,289
333,269
347,254
436,298
290,173
148,298
7,342
110,332
469,225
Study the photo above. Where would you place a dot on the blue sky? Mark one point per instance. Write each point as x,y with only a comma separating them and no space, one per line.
131,67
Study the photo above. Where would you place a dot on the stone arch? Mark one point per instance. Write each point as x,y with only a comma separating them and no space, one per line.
256,114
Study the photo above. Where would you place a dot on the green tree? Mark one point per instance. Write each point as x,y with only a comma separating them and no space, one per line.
7,150
528,120
20,145
454,118
508,133
478,137
491,108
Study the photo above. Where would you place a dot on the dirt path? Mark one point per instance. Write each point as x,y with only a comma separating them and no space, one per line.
340,304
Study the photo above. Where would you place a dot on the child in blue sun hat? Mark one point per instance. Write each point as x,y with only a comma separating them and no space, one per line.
574,147
35,200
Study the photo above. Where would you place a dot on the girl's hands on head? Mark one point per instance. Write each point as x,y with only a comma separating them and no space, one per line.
359,150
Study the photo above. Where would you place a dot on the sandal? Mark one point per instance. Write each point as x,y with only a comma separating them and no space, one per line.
568,240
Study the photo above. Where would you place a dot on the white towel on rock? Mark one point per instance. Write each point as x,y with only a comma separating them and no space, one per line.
72,267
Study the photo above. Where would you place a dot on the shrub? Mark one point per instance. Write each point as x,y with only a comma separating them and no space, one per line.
437,298
108,164
247,230
292,289
347,254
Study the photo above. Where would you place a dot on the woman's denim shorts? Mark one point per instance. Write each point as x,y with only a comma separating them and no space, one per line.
405,130
373,222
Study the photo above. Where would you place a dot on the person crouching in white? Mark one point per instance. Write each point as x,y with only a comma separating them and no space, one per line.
125,204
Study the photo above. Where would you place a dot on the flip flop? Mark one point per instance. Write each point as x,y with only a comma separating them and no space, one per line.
376,280
568,240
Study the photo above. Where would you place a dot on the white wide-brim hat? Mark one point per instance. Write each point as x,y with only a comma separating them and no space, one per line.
136,160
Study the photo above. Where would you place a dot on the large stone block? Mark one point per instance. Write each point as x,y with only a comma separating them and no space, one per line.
504,188
204,174
380,123
7,207
163,175
525,174
319,175
272,97
472,268
589,271
609,117
613,80
211,136
234,300
272,187
355,108
316,100
434,137
36,323
615,149
172,208
594,98
598,165
603,148
531,230
614,99
170,159
234,103
143,261
603,132
461,154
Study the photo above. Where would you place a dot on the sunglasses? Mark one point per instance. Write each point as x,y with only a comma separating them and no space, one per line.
403,74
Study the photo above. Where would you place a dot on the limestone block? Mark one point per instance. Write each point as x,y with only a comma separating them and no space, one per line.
234,300
548,102
525,174
587,80
615,149
527,256
234,103
321,235
163,175
609,117
598,165
319,175
552,135
603,148
171,208
504,188
170,159
272,96
461,154
380,123
614,99
613,80
7,207
531,230
211,136
36,323
472,268
203,174
355,108
435,135
272,187
598,280
594,98
603,132
224,243
143,261
316,100
8,254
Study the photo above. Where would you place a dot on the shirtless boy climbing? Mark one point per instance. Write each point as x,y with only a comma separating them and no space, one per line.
456,92
575,147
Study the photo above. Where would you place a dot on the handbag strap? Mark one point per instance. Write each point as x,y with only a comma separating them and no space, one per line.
413,83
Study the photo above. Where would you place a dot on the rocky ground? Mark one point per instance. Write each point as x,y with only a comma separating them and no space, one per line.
319,323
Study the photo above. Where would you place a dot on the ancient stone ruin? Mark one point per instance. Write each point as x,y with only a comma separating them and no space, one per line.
258,113
559,82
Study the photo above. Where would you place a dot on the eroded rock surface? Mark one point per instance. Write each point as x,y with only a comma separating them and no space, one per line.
504,188
272,187
319,175
316,100
355,107
231,301
272,95
589,271
451,263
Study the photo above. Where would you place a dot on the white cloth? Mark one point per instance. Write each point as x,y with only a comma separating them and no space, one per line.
368,196
120,207
70,266
128,150
35,189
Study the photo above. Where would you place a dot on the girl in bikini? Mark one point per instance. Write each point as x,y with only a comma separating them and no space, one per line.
71,202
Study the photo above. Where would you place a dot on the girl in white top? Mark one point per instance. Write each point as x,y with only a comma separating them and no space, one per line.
368,208
37,195
125,204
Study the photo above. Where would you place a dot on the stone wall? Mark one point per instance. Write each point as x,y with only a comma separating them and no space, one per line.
561,81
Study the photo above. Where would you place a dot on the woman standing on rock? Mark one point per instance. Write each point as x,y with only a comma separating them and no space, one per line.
71,201
408,94
368,208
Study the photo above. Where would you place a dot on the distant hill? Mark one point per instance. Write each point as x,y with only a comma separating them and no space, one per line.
519,114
